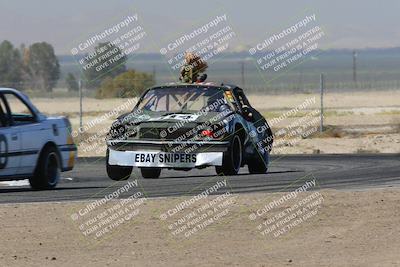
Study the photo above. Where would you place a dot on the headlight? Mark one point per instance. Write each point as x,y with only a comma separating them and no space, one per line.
117,131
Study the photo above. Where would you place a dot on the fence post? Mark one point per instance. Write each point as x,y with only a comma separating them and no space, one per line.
321,83
80,102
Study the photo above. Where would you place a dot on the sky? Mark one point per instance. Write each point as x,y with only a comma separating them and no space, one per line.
64,24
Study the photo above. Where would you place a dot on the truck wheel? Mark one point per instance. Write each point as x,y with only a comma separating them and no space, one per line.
150,173
232,159
258,165
47,172
118,173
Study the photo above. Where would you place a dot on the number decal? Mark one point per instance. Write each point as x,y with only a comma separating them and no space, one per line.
3,151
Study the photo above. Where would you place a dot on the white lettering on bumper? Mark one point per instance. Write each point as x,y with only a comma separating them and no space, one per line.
164,159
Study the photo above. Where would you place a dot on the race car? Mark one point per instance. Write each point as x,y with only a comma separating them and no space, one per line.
184,126
32,145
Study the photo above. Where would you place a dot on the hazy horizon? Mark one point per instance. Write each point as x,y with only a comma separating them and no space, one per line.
355,25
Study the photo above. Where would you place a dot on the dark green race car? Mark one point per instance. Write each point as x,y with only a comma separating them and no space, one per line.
185,126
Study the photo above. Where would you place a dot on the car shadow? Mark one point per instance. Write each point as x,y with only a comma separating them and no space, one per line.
28,189
214,175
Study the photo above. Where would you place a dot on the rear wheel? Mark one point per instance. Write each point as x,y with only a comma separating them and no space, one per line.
118,173
150,173
232,159
47,172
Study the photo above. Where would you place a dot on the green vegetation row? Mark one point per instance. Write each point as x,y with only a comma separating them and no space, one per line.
36,68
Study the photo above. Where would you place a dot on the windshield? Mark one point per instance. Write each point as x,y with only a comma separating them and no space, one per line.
183,99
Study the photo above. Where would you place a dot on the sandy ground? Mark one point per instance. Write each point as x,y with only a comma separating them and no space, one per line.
372,143
331,100
348,229
361,122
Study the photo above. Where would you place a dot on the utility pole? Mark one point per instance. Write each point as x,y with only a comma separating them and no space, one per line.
301,77
355,67
242,72
322,84
80,102
154,72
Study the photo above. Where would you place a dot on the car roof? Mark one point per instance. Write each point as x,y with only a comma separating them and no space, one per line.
15,91
198,85
9,90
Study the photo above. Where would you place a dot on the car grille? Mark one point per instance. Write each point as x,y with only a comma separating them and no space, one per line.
164,134
149,133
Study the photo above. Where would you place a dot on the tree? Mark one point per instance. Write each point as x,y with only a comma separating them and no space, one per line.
42,66
10,65
107,60
128,84
72,83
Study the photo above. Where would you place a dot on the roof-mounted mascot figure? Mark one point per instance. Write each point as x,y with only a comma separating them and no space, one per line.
192,68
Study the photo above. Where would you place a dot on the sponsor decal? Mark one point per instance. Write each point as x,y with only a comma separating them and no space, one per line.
181,117
164,158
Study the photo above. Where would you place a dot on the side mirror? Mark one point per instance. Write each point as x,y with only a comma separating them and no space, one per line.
247,112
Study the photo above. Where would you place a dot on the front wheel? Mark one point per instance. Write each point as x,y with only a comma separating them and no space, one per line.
118,173
47,172
259,164
232,158
150,173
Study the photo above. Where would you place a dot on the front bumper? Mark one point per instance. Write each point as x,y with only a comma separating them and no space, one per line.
68,156
168,146
162,159
166,154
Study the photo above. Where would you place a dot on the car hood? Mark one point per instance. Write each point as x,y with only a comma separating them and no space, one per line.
172,117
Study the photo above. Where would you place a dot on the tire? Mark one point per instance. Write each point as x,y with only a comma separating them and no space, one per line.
47,172
258,165
118,173
232,159
150,173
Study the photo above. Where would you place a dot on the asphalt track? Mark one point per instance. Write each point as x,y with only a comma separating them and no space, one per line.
89,180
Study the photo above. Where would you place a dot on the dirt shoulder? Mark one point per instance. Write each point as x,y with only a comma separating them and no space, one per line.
348,229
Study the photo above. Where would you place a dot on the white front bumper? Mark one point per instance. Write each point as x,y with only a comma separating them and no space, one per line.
164,159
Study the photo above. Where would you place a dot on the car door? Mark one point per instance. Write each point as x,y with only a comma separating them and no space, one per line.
243,106
25,123
260,131
10,144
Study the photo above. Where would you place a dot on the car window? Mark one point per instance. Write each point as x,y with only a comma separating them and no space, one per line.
20,112
182,99
243,101
4,121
